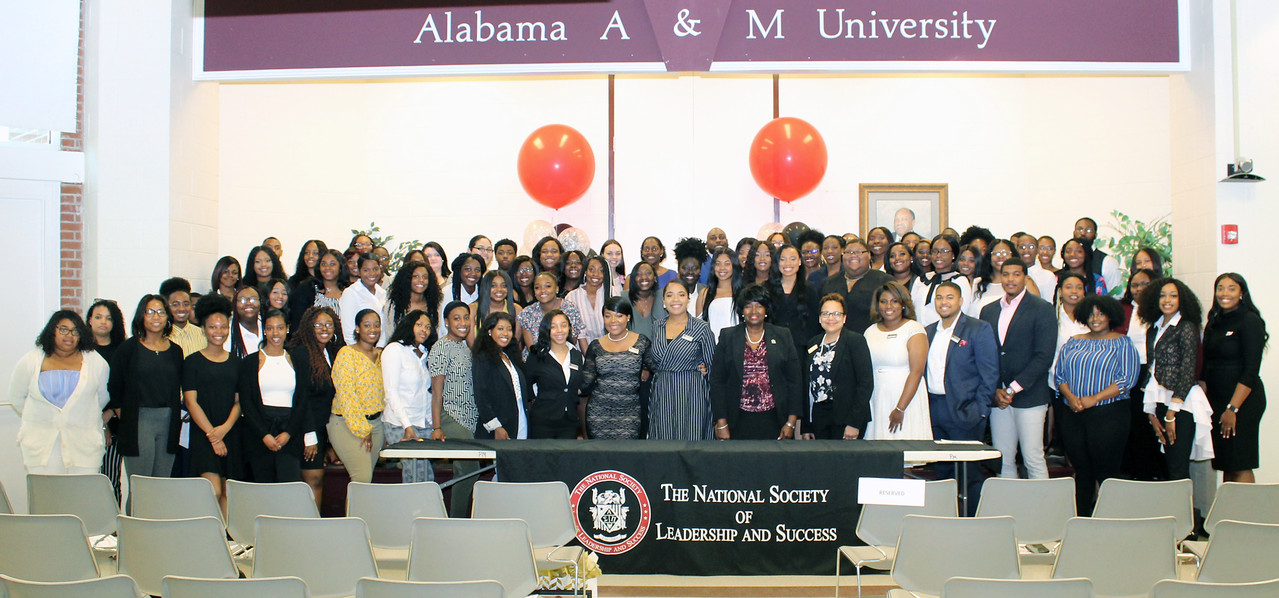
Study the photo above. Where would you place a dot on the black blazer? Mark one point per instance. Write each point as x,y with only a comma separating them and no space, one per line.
495,396
1027,350
315,399
852,379
783,374
1174,359
122,383
554,404
255,417
856,302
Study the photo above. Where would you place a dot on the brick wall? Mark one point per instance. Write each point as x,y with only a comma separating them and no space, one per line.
72,200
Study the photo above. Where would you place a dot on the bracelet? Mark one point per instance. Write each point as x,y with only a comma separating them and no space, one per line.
790,425
723,427
1170,420
900,410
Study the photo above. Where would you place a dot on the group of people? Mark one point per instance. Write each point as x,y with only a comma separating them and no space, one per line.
268,376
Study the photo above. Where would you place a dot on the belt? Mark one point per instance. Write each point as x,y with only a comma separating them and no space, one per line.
370,417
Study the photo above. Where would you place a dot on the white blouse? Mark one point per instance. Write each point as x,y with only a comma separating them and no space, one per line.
355,299
407,382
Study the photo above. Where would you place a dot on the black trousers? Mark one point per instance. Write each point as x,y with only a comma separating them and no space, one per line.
946,427
824,426
1177,454
1094,440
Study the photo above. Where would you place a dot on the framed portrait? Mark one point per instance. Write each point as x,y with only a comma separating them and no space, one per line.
904,208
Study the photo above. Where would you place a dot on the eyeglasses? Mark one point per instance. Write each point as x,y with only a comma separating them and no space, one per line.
832,314
324,326
1028,246
812,251
1001,253
64,331
941,251
482,248
862,252
155,312
365,245
524,271
248,300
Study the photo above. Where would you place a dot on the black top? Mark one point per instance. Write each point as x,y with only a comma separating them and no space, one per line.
316,399
856,302
495,395
792,311
142,378
215,385
107,351
1233,345
555,402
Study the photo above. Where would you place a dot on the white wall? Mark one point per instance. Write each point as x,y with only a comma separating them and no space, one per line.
436,159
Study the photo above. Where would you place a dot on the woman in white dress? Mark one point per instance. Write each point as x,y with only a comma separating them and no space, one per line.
716,301
898,351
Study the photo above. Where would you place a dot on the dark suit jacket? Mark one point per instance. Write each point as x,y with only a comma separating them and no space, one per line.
852,380
315,399
1176,357
122,384
972,368
856,302
1027,350
728,369
555,402
495,396
254,416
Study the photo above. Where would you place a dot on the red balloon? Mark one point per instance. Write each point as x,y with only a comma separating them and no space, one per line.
788,158
556,165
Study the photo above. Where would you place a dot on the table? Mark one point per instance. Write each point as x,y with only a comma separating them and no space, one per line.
705,508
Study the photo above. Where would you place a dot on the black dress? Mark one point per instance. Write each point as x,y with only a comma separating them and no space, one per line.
215,385
1233,345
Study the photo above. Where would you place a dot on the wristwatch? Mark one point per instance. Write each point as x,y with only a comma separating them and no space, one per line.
1232,409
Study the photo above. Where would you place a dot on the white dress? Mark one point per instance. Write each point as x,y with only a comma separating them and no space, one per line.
891,360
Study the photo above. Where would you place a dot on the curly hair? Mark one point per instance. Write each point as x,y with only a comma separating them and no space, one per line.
304,337
1189,306
84,342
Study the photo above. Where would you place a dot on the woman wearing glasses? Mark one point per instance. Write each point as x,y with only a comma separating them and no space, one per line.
945,248
145,386
839,378
60,389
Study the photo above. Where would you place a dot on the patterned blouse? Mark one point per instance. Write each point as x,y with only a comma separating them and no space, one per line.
531,319
452,359
757,391
820,373
358,381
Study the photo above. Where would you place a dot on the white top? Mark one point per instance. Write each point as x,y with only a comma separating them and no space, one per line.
720,315
252,340
993,293
935,373
77,426
1110,272
1137,332
276,381
925,313
519,404
1045,280
355,299
408,387
591,310
1066,328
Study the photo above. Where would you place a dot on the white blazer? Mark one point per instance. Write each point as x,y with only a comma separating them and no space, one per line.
407,383
77,425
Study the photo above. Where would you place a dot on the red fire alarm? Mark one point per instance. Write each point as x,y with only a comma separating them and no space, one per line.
1229,234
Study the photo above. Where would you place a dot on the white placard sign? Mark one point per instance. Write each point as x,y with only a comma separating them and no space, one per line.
890,491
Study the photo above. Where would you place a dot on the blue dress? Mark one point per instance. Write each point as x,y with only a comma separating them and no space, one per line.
680,403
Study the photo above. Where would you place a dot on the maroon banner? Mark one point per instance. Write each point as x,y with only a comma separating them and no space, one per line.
288,38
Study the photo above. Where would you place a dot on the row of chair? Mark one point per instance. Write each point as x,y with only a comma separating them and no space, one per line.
969,587
174,586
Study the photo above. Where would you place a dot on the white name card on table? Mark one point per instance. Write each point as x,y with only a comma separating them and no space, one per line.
890,491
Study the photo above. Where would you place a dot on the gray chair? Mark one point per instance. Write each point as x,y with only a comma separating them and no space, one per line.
1241,552
473,550
389,511
1250,503
1128,499
879,526
1041,508
970,587
115,586
932,550
45,548
268,587
6,507
383,588
1122,557
89,497
545,507
330,555
173,498
246,501
151,549
1194,589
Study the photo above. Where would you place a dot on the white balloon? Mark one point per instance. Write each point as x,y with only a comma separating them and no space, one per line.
575,239
534,233
768,229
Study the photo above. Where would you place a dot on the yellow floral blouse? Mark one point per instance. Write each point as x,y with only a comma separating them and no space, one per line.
359,389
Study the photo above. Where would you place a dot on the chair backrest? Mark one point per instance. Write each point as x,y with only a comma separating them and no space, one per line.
544,506
150,549
89,497
389,509
474,549
881,525
330,555
172,498
970,587
247,500
1128,499
115,586
1171,588
1251,503
45,548
267,587
1041,508
6,507
934,549
385,588
1241,552
1122,557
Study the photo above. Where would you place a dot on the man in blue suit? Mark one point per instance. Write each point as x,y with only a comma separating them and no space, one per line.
961,375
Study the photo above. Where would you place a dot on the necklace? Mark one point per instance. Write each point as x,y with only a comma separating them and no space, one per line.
754,342
617,340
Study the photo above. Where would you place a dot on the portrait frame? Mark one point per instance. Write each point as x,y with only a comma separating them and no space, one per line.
928,204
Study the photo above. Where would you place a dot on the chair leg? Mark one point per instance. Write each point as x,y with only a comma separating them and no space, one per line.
838,559
859,580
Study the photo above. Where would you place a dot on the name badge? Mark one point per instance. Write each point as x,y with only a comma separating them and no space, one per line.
633,350
686,337
954,339
812,349
572,366
892,336
1230,333
772,341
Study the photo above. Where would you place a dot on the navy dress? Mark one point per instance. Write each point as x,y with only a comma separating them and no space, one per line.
680,405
